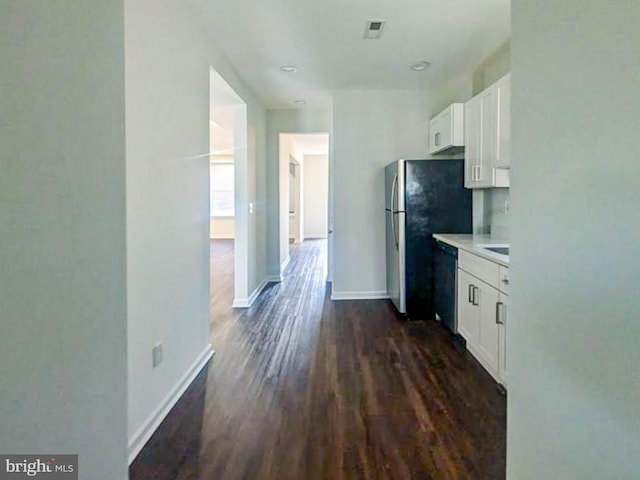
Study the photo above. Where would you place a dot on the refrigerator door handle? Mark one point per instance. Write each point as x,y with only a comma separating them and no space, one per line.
393,227
394,187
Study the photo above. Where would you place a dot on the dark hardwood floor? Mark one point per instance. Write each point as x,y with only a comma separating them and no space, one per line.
302,387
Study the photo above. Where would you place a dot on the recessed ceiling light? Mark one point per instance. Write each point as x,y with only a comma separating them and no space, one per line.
419,66
299,102
288,68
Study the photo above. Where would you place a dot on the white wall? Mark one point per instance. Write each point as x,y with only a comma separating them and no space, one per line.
62,233
316,195
285,121
574,323
372,128
288,225
222,228
168,54
295,218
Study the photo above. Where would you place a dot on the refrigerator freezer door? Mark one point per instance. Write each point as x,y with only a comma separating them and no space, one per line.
390,179
395,234
396,283
401,186
394,186
393,272
402,262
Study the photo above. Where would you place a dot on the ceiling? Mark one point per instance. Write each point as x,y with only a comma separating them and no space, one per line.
324,40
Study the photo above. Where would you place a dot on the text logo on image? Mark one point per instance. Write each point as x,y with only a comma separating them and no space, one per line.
50,467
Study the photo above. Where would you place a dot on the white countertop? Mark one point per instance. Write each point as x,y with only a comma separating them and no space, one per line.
471,243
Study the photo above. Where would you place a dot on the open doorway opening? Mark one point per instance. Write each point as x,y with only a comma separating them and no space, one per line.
228,196
304,194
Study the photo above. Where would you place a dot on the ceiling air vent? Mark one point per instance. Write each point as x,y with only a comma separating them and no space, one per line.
373,30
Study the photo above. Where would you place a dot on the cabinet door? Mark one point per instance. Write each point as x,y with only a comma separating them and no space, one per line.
443,135
472,133
433,130
487,138
440,133
503,131
502,329
488,346
468,313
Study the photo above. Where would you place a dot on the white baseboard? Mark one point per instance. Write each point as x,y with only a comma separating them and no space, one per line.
247,302
313,236
138,440
284,265
274,278
358,295
221,237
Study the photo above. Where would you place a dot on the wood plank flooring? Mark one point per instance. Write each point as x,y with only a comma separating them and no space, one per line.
305,388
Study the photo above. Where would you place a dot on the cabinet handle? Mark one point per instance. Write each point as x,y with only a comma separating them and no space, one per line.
499,321
471,287
505,281
478,178
437,139
475,289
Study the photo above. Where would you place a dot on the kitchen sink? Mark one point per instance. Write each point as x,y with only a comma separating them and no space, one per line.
500,250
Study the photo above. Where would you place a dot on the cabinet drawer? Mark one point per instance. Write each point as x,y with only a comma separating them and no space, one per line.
503,286
479,267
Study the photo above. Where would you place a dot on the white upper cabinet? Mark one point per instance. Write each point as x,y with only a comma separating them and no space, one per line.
473,122
446,130
503,133
487,139
487,135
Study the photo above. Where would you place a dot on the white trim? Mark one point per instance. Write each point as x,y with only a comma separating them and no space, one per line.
359,295
312,236
221,237
247,302
274,278
138,440
284,265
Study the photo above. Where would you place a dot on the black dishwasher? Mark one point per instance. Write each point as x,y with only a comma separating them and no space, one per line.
445,270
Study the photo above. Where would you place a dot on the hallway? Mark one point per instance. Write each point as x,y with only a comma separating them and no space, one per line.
305,388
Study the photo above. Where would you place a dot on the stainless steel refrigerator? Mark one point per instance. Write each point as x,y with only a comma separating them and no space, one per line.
423,197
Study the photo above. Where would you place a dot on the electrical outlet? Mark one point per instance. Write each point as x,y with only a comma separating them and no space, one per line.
157,355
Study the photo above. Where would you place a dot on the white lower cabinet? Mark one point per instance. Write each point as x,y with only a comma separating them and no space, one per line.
502,328
482,321
488,347
468,313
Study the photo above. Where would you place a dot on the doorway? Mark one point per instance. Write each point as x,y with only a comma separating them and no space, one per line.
304,193
228,223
